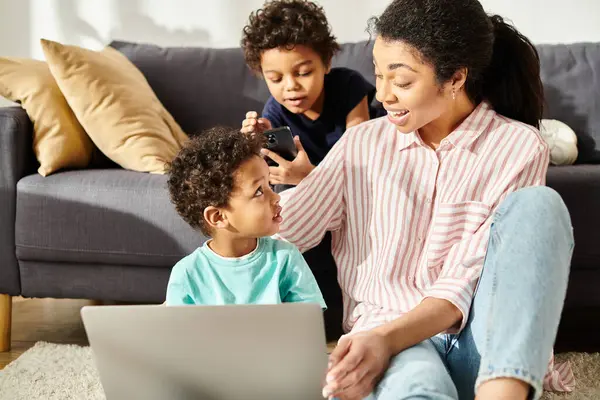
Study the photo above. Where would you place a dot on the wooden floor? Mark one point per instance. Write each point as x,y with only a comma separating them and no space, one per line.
49,320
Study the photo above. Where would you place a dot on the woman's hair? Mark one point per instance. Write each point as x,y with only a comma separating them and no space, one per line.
286,24
202,174
503,66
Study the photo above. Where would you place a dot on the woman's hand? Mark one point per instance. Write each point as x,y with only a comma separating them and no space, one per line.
289,172
253,124
356,365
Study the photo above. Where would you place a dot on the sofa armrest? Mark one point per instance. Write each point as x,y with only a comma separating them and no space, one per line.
16,159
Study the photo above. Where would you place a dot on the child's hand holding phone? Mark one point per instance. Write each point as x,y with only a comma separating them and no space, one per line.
288,162
254,124
287,159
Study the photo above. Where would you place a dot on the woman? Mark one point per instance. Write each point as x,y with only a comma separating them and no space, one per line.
442,199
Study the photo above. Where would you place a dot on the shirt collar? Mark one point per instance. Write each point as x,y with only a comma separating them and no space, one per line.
473,126
406,139
467,132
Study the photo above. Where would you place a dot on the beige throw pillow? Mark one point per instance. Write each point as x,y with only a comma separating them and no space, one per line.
59,141
115,104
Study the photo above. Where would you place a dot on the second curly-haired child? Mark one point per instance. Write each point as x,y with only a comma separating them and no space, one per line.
219,185
289,43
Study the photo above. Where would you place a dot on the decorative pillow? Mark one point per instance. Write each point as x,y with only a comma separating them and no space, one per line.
114,103
562,141
59,141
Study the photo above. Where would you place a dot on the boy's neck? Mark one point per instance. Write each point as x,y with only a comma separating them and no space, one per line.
232,248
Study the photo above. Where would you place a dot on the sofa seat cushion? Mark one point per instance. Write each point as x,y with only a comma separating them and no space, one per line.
579,186
122,217
100,216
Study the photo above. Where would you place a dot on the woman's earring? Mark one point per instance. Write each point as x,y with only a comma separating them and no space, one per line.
453,94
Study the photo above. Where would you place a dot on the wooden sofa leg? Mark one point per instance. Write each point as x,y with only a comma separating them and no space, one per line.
5,321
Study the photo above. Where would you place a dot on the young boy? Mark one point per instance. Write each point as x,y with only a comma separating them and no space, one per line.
219,185
289,43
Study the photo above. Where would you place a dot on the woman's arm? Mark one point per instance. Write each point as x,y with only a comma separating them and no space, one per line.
426,320
373,349
359,114
317,204
462,266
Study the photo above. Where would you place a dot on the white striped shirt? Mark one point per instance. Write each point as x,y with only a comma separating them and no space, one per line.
407,221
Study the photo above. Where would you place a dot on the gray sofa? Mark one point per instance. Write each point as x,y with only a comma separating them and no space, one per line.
109,234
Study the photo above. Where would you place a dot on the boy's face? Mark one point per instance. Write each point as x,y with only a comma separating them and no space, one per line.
294,77
253,209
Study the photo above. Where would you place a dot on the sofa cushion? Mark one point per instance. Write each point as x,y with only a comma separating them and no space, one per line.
100,216
579,186
59,141
200,87
571,77
359,57
117,108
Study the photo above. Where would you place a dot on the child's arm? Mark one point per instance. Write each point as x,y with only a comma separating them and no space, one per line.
355,94
298,284
359,114
178,288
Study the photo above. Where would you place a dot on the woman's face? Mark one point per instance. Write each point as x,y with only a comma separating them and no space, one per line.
407,87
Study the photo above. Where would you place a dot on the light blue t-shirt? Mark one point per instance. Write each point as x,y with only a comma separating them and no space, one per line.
275,272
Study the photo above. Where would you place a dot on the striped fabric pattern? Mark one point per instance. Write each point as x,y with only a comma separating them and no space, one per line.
409,222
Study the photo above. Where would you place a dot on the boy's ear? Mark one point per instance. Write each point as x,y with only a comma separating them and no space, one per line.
215,218
327,65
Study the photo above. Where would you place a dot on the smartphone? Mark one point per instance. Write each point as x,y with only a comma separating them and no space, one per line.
280,141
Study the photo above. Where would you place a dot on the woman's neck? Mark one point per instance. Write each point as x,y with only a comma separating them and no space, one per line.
434,132
232,248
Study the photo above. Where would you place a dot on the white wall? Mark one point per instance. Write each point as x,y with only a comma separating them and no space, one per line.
218,23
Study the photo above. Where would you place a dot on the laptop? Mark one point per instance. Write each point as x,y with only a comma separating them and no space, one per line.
232,352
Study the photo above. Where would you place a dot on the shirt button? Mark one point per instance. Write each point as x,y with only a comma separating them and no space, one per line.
419,239
428,200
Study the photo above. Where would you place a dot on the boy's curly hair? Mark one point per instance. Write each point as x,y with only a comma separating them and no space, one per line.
287,23
202,173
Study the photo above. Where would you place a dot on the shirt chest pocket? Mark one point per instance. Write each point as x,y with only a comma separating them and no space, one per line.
452,223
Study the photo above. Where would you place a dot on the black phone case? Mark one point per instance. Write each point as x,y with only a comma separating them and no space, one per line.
280,141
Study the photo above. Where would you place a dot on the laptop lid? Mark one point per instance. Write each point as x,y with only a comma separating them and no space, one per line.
208,352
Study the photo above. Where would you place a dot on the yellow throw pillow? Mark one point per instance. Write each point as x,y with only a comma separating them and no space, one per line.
59,141
115,104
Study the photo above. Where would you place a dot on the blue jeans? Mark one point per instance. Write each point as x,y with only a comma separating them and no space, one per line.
515,313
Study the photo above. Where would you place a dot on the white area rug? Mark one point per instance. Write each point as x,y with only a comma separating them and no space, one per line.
53,372
64,372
